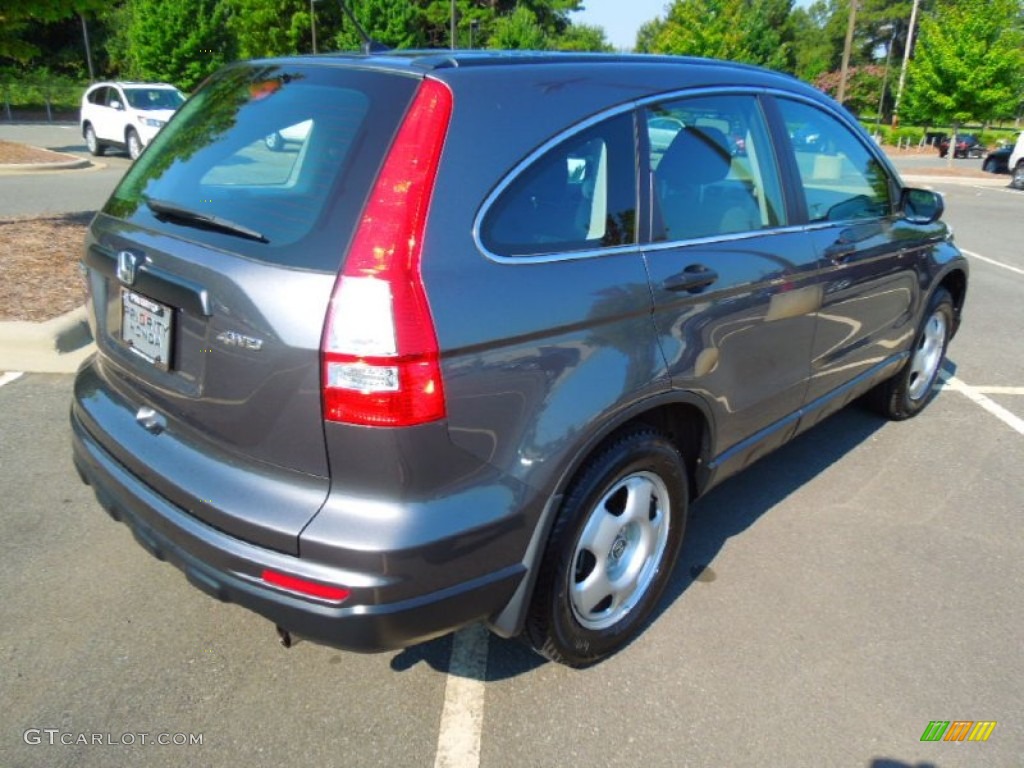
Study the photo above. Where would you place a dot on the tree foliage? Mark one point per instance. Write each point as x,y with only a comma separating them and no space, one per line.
180,42
969,63
751,31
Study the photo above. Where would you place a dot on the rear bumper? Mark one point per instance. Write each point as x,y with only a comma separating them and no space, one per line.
229,569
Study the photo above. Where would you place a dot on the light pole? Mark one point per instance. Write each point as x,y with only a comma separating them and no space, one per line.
847,45
312,22
885,74
453,26
903,69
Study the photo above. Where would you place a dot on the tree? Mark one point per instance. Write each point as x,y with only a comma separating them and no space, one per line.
582,37
751,31
180,42
968,64
647,34
267,28
863,87
519,30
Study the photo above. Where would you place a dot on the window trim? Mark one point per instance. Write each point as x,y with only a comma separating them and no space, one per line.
525,164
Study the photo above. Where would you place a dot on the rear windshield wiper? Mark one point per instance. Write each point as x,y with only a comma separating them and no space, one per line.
187,216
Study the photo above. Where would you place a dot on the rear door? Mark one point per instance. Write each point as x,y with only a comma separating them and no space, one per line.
734,289
212,266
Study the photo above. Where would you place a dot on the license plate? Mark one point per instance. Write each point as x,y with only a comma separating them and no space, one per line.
146,327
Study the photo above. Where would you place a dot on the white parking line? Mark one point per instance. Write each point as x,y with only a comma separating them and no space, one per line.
986,259
1011,420
1000,390
462,719
7,378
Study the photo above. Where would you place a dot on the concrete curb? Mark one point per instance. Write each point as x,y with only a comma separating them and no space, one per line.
994,180
53,346
71,164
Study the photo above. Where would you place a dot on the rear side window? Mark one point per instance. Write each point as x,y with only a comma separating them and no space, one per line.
580,195
98,96
840,177
714,172
288,154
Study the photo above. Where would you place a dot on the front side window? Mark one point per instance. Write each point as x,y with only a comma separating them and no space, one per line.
579,195
713,168
840,177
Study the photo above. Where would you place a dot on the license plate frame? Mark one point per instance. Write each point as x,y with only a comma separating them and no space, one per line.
147,328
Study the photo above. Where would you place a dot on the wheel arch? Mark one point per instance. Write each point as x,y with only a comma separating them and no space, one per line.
955,282
682,416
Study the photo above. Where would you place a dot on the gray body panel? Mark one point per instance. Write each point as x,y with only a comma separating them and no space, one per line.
542,359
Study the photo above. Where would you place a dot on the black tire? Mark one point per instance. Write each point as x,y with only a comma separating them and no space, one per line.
579,627
96,148
134,143
1017,182
908,392
989,166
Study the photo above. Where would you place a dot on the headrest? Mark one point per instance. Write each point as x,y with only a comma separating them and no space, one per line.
697,155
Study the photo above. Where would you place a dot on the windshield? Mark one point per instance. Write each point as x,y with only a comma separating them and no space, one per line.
287,151
154,98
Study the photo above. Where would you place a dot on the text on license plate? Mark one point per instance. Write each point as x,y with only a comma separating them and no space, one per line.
146,328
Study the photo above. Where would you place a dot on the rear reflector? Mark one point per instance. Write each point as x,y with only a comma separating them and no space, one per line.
303,587
380,355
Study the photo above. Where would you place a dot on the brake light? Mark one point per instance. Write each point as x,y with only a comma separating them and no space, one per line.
380,357
305,587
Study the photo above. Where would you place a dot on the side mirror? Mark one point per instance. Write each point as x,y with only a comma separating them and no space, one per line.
921,206
115,104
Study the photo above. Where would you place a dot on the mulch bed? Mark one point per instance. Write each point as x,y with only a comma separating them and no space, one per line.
39,275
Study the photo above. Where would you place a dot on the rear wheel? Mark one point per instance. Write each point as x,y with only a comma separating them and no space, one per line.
909,391
611,551
1017,182
95,148
134,144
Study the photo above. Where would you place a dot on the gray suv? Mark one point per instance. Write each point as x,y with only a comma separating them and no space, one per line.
470,343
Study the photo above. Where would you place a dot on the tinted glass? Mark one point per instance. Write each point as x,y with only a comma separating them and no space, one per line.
714,171
220,157
580,195
841,179
153,98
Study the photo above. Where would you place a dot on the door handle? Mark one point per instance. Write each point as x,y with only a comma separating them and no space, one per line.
694,279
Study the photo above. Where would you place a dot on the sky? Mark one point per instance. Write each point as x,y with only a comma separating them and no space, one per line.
622,18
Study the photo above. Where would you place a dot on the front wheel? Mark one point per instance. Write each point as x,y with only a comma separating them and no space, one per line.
909,391
611,551
134,144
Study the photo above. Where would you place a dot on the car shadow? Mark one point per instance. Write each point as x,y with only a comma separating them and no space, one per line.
732,507
724,512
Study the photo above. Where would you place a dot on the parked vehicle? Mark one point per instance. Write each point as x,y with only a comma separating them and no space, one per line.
392,384
967,145
126,115
998,160
1015,162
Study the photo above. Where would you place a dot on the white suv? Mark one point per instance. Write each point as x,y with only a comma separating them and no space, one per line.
1016,163
126,115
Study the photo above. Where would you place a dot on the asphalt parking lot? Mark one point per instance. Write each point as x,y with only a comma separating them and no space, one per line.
829,604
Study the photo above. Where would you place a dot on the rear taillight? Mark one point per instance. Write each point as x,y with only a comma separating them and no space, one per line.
380,357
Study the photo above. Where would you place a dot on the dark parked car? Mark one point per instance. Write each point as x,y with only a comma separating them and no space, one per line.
967,145
998,160
472,351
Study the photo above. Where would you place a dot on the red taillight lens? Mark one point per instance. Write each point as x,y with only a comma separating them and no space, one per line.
304,587
380,355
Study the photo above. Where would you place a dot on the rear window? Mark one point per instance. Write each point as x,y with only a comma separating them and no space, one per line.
284,154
